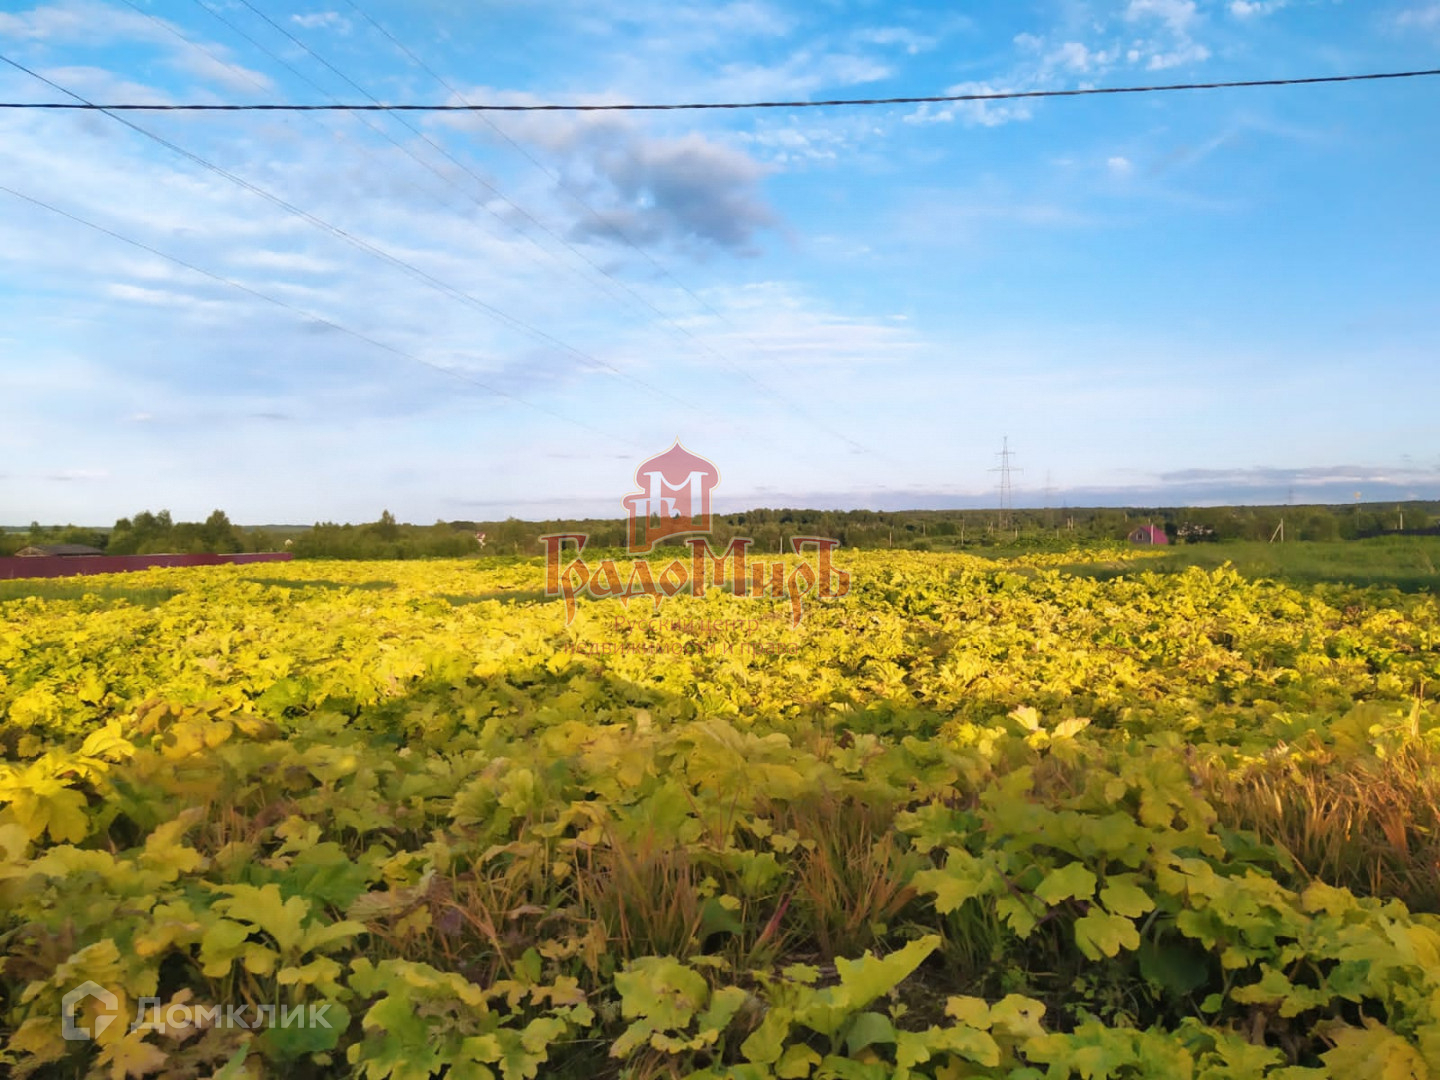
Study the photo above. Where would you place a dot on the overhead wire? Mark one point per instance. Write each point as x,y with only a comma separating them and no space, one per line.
310,316
610,228
695,340
363,245
169,28
928,99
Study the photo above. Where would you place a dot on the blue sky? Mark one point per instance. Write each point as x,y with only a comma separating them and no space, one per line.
1163,299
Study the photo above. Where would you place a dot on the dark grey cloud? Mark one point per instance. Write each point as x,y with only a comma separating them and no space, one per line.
677,192
682,191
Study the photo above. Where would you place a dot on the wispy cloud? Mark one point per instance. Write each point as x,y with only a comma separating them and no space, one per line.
977,113
1179,15
1249,9
1179,18
91,24
323,20
911,41
1424,17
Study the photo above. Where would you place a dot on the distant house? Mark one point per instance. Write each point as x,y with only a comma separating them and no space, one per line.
35,550
1149,534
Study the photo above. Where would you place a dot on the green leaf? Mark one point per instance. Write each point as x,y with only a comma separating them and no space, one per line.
222,942
1019,913
1071,880
796,1063
768,1040
1100,933
971,1011
964,878
660,994
1017,1016
866,979
1174,967
724,1004
868,1029
715,918
1121,896
288,1043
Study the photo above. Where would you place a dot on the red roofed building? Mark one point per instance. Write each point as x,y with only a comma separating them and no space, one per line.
1149,534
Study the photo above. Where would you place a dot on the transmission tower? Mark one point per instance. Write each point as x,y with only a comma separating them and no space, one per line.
1005,469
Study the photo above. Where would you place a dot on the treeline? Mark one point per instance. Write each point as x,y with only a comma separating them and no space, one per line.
771,530
385,539
944,530
148,533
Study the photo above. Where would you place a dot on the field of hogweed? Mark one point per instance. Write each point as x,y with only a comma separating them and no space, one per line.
975,819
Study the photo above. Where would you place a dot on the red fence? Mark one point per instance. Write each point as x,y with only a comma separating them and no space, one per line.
52,566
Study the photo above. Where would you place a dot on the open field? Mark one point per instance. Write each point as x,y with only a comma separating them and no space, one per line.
1049,816
1410,564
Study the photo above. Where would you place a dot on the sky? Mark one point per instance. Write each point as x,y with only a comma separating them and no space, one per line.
1162,299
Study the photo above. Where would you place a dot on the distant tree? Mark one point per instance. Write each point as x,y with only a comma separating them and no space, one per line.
1318,525
218,535
386,528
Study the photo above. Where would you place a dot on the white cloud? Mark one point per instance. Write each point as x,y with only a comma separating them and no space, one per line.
323,20
974,113
1179,15
221,72
1073,56
1190,52
802,73
94,82
796,143
284,260
909,40
1419,18
89,24
1120,166
745,18
78,22
1247,9
1176,45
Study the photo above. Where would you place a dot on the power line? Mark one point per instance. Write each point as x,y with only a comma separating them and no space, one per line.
932,99
363,245
608,226
307,315
451,181
1005,469
520,210
247,76
497,193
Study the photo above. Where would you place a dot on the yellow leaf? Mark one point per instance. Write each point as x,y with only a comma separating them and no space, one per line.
132,1056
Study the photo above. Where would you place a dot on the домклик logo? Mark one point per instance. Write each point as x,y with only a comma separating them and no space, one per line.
70,1009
